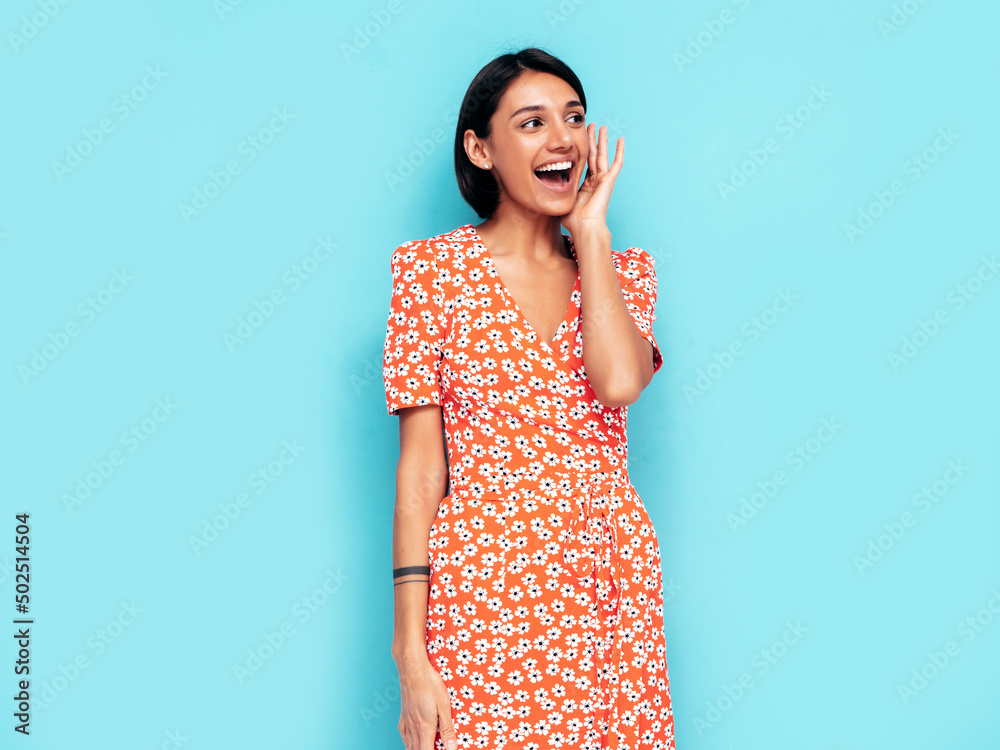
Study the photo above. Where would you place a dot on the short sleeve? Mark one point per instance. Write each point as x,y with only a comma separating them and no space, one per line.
639,291
414,336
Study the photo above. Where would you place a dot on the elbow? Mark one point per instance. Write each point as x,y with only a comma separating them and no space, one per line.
624,383
619,394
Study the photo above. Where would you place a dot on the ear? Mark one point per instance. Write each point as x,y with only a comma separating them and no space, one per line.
475,148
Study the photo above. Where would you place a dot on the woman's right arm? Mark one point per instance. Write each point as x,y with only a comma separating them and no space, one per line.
421,481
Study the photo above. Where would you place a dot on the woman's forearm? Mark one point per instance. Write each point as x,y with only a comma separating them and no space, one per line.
618,359
420,485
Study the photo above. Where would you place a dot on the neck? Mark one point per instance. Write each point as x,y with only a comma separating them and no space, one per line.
535,236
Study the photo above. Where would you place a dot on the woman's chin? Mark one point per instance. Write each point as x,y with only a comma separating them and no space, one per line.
558,203
547,202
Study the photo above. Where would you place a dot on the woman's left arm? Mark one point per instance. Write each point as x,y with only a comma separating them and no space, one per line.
618,359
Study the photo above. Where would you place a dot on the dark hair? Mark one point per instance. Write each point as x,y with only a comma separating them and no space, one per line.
478,186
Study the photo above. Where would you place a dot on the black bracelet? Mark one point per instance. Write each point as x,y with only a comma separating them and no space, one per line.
413,580
397,572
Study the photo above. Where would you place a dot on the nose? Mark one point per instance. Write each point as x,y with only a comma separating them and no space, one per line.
560,136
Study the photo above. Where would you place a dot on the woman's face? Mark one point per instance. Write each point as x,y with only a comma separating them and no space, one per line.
539,121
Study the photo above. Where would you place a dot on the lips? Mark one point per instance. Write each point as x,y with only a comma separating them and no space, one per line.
554,177
556,180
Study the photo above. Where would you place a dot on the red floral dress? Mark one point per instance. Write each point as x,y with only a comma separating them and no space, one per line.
545,611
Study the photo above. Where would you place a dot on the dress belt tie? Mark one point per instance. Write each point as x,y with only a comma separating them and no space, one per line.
598,493
601,498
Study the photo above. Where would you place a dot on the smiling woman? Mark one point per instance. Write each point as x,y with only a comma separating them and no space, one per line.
535,614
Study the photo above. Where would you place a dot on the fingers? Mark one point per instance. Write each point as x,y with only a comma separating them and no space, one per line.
597,152
418,735
407,735
616,167
424,736
417,732
602,149
591,150
447,729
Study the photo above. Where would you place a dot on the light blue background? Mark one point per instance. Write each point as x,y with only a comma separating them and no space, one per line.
311,372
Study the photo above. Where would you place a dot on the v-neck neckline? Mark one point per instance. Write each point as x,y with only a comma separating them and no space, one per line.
511,302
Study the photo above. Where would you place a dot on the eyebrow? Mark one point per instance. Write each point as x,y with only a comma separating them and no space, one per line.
538,107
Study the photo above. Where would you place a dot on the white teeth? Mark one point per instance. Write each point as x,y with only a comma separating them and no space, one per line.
557,165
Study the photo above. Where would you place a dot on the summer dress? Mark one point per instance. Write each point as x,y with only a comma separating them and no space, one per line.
545,609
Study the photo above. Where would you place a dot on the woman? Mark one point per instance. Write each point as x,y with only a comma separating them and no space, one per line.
538,622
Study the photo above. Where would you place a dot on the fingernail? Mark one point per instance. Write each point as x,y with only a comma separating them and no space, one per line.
451,744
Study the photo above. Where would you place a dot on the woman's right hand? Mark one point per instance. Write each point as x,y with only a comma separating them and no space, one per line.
426,706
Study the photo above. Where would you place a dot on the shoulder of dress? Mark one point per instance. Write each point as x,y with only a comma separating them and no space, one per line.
413,256
633,259
410,248
462,234
438,247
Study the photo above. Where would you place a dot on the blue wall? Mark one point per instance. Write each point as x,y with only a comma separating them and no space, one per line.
199,202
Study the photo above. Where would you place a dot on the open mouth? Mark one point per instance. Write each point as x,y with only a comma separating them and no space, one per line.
555,176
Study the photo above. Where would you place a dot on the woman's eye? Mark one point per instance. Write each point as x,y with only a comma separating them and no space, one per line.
575,117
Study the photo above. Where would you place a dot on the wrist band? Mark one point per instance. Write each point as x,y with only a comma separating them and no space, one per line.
412,580
397,572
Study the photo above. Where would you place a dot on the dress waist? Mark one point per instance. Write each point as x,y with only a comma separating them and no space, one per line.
550,483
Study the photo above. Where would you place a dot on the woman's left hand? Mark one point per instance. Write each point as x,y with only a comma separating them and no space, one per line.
591,207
